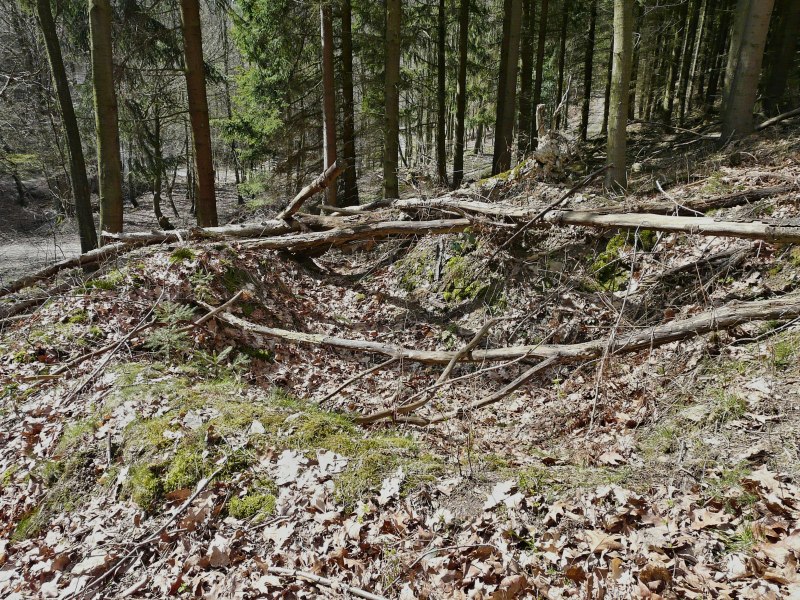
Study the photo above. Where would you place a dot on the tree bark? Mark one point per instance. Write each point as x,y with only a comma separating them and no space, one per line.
781,63
441,82
737,119
524,126
668,106
206,201
537,85
461,95
686,62
109,163
562,57
734,47
587,71
77,166
607,95
348,109
507,94
391,140
328,95
616,176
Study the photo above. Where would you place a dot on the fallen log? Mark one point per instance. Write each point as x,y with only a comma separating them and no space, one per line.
90,258
319,184
241,230
342,235
705,204
778,119
691,225
725,317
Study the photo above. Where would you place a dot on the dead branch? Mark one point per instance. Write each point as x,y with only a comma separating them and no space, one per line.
242,230
412,406
358,376
336,586
778,119
319,184
335,237
726,317
84,260
706,204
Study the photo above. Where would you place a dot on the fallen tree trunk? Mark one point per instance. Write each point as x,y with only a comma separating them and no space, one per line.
725,317
319,184
778,119
706,204
692,225
241,230
342,235
90,258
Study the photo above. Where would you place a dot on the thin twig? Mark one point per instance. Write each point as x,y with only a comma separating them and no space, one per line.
360,375
337,586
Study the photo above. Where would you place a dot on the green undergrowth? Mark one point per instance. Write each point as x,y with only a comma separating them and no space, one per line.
164,455
609,268
463,275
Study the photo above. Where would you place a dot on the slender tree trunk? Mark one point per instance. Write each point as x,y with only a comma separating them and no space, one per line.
441,91
507,94
700,40
607,95
562,57
391,140
478,148
616,176
734,47
109,163
537,85
328,95
206,202
781,64
229,112
686,63
675,63
638,20
77,167
461,96
524,125
348,109
588,71
716,71
737,119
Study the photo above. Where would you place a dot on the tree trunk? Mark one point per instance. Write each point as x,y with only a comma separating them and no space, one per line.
781,64
607,95
524,125
441,82
737,119
461,96
77,167
562,56
638,18
348,109
206,201
686,63
537,86
109,163
616,176
391,141
328,95
717,61
587,71
675,64
478,148
734,47
507,95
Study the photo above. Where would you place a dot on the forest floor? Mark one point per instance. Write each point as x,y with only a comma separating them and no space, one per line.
211,462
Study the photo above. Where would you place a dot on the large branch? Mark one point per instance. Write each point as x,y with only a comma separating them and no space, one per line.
319,184
692,225
778,119
705,204
342,235
716,319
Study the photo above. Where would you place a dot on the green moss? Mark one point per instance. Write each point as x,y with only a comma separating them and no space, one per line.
142,486
186,468
27,527
79,316
111,281
534,480
794,256
714,185
182,254
784,352
8,475
461,284
258,353
76,434
253,505
726,407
